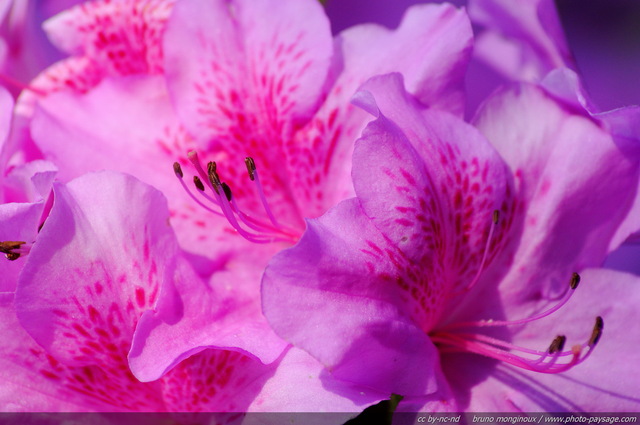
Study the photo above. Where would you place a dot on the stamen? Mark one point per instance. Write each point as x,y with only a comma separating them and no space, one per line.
227,191
495,217
251,167
253,175
449,339
547,361
222,198
573,284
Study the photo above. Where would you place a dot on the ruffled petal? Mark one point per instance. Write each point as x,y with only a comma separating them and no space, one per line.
105,252
577,183
431,184
328,296
193,316
523,41
430,48
124,36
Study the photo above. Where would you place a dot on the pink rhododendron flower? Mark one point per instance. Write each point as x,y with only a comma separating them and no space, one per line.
457,247
102,258
244,87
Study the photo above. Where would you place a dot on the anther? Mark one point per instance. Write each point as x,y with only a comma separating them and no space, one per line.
178,170
251,167
597,332
496,216
198,183
214,179
557,344
227,191
575,280
8,248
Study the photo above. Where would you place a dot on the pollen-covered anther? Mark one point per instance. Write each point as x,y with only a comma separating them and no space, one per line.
557,344
177,169
227,191
214,178
597,332
13,250
575,280
495,217
198,183
251,167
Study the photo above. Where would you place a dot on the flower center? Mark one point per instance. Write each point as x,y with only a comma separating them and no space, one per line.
216,196
461,337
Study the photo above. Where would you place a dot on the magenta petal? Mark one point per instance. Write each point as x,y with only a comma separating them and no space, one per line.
428,180
192,316
350,324
97,265
26,372
246,64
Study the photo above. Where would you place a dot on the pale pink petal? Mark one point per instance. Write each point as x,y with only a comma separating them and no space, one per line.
576,180
316,296
430,48
301,384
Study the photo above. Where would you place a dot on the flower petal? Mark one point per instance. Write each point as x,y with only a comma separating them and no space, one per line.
430,48
18,222
301,384
249,79
350,323
124,36
99,262
31,380
431,183
194,316
577,183
523,41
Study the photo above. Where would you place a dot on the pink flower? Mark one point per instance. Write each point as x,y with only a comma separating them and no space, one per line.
102,259
273,86
437,279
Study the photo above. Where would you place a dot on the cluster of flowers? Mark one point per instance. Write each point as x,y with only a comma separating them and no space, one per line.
216,205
